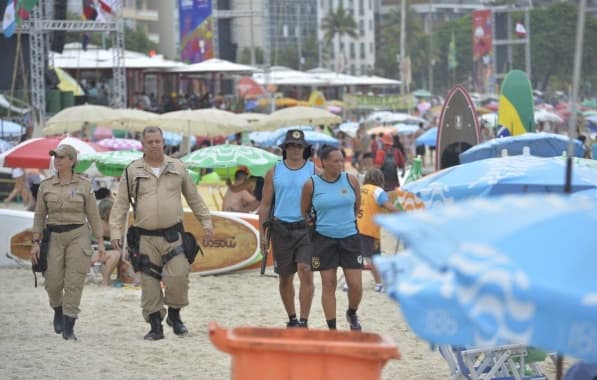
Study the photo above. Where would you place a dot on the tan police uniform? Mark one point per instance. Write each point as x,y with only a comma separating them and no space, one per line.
69,254
159,206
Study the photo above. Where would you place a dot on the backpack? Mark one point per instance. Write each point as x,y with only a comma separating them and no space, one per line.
389,168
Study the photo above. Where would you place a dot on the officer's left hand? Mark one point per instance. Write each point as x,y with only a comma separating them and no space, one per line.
208,233
101,253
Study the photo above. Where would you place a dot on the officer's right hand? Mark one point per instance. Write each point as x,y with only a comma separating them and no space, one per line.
116,243
34,253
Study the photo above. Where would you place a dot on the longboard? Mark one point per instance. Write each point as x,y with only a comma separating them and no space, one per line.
516,104
235,243
458,128
14,222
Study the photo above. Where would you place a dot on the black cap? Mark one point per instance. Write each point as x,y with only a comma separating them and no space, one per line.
294,136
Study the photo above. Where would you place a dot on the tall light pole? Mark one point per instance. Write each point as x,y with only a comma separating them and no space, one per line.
402,47
431,46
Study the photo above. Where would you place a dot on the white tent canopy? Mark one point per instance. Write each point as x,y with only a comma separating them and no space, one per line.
74,57
284,76
215,65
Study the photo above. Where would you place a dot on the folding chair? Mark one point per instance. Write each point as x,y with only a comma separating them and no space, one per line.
491,363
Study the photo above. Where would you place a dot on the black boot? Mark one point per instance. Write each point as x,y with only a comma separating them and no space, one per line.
58,320
68,331
156,332
175,321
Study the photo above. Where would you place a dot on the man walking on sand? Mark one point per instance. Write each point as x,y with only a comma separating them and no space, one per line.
290,241
155,183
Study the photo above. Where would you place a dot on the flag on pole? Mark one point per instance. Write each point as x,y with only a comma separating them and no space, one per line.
452,61
9,22
520,29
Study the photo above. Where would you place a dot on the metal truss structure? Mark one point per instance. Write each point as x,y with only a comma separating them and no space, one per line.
39,24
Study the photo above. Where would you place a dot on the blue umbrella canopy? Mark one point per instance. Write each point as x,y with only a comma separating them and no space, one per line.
500,176
4,146
540,144
429,138
519,269
10,129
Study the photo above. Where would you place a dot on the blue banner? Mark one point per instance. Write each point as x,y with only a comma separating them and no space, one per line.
196,35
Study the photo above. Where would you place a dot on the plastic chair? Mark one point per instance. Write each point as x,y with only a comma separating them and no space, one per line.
506,362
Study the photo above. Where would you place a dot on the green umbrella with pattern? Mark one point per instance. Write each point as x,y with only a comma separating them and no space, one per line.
258,161
113,163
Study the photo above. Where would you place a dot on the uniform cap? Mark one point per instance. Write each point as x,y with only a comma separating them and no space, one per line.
387,139
294,136
65,150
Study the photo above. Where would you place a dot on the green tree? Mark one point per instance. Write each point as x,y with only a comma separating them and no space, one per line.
245,56
416,41
310,52
338,23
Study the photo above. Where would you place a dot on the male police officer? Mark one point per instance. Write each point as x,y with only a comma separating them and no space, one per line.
155,182
291,244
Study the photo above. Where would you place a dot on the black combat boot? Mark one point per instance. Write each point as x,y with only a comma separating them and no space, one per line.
156,332
58,320
68,331
175,321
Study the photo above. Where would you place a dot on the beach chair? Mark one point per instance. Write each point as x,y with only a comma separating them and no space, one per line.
508,362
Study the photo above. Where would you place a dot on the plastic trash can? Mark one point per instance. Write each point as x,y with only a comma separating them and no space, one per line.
300,354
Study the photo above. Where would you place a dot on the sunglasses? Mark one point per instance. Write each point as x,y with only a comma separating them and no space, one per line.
61,157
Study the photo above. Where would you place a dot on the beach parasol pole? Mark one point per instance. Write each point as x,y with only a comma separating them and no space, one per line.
580,26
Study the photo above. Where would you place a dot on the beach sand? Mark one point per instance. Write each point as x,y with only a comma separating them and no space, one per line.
110,329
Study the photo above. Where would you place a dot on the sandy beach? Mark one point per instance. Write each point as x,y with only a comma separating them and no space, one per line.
110,330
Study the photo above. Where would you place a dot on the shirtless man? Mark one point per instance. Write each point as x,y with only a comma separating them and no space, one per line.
237,198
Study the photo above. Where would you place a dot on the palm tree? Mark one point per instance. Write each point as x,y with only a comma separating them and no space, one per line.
338,23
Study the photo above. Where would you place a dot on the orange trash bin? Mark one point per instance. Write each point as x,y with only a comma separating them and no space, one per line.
301,354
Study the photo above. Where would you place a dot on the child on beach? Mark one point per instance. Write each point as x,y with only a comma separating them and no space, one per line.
373,201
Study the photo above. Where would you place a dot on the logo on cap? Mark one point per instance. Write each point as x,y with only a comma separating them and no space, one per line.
296,135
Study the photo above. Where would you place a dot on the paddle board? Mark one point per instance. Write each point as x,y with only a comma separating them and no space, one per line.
12,223
516,104
235,243
458,128
253,219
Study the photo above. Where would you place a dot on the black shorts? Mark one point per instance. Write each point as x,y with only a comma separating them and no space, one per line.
330,253
294,247
369,246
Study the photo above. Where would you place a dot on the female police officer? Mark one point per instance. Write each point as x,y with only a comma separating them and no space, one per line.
65,203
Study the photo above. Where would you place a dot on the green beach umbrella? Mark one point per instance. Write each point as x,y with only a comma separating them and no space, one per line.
229,156
113,163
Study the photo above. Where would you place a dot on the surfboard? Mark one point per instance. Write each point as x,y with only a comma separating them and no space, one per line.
458,128
235,243
516,104
14,222
253,219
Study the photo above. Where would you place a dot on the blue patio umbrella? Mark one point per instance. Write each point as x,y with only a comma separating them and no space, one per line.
540,144
500,176
4,146
519,269
273,139
429,138
10,129
173,139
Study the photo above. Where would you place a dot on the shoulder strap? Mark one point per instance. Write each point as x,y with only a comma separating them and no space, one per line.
133,203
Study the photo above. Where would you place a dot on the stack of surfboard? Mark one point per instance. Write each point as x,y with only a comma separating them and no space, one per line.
235,244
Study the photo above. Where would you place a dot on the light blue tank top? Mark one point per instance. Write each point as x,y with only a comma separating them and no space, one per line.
333,203
288,185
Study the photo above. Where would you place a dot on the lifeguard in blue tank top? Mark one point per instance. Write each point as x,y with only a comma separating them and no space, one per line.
288,184
333,203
